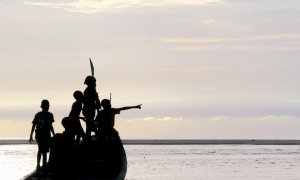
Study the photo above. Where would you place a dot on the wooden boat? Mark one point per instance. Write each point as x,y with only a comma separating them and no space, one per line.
99,158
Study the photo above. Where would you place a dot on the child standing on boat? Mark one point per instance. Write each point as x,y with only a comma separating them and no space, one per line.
91,103
42,124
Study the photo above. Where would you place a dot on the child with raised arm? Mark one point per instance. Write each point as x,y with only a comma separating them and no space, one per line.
106,118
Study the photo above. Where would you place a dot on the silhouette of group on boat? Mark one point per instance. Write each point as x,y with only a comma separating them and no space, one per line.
75,153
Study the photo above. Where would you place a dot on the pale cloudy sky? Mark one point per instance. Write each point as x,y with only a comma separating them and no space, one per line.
201,68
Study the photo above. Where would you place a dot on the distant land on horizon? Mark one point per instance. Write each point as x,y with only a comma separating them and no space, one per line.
184,141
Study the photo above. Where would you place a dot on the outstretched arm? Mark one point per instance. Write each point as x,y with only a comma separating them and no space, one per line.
130,107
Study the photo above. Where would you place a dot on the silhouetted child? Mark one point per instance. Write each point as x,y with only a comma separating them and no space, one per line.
61,152
75,116
106,118
42,124
90,104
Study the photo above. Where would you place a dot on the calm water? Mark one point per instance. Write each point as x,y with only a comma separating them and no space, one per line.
171,162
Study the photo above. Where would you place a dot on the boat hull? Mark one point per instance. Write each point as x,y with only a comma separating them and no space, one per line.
99,158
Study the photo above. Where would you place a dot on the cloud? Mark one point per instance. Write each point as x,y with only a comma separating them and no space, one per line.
215,127
192,40
161,119
269,37
258,119
95,6
198,69
237,48
215,119
189,70
258,43
210,22
156,119
195,48
294,37
280,48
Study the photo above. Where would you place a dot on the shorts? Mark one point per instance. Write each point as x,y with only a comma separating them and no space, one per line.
44,145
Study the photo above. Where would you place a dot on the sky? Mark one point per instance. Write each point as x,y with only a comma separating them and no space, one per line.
203,69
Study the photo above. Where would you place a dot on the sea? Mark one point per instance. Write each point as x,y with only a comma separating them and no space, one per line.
181,161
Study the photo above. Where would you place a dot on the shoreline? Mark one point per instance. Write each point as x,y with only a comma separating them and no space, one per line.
213,142
182,142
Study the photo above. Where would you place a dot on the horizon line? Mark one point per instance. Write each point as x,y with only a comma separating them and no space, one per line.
20,141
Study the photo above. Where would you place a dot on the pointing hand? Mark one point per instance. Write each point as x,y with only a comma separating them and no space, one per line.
139,106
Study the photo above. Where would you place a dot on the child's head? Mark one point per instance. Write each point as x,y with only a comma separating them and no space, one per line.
66,122
45,105
78,95
105,103
90,81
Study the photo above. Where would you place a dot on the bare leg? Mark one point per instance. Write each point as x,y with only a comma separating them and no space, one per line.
90,125
39,154
44,161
